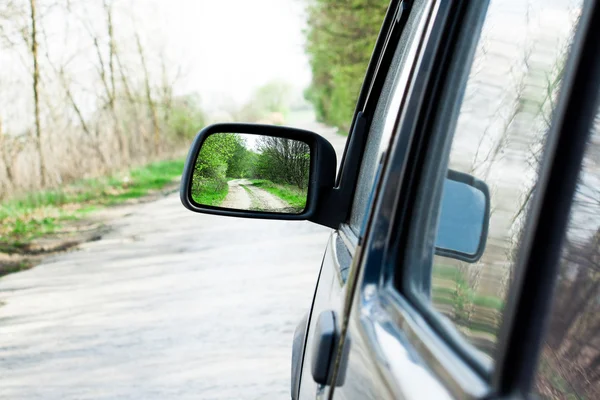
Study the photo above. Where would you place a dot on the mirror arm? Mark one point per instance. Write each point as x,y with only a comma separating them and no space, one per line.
336,201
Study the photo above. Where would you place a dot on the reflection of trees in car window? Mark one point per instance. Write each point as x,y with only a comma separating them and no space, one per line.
502,126
570,362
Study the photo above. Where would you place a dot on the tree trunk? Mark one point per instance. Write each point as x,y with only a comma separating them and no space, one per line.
5,157
111,91
36,95
140,139
151,105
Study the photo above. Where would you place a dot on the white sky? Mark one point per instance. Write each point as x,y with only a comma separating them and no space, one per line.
228,48
224,49
251,140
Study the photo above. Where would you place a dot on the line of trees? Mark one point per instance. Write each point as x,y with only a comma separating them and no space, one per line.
221,154
339,41
84,89
283,161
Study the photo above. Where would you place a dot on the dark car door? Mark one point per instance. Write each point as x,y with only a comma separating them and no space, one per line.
381,95
505,93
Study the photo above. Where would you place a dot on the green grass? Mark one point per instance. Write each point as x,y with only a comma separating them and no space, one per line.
451,273
41,213
210,193
451,288
292,195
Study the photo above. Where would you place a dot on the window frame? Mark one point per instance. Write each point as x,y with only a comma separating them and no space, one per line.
538,262
449,355
435,119
393,27
530,297
371,281
369,83
397,76
382,59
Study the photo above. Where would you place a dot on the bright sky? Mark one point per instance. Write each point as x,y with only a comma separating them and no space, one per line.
224,49
228,48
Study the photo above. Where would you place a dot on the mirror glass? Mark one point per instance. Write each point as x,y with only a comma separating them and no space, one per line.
252,172
462,220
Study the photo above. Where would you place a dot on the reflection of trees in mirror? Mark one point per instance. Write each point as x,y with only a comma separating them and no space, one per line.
260,173
283,161
209,182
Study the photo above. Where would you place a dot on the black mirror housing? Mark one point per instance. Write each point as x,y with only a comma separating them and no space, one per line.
321,177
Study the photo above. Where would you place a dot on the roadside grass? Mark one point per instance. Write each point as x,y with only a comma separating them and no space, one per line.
475,314
292,195
41,213
210,193
450,273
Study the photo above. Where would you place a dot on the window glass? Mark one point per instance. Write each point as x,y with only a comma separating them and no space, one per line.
497,146
569,367
384,118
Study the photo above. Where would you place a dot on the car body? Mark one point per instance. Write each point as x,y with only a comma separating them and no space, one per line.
393,314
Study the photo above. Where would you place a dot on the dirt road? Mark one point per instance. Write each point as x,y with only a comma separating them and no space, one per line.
169,305
244,195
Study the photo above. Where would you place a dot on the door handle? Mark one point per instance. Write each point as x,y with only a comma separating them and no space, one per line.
326,340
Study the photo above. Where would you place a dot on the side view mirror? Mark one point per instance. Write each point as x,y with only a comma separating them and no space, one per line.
275,172
464,218
258,171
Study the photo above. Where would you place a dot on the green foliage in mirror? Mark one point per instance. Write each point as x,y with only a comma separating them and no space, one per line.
283,161
209,183
252,172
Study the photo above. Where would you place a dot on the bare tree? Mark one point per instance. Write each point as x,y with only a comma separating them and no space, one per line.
36,92
10,147
284,160
107,77
148,90
100,101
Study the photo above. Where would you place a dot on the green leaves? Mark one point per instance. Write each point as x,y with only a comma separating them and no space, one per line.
221,154
340,40
214,157
283,161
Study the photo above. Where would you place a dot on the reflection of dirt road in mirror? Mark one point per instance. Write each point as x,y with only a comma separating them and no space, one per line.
237,196
243,195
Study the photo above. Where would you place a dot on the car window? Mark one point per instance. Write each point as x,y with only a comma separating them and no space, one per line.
569,367
385,117
500,130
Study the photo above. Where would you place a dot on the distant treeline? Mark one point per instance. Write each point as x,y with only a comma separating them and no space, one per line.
340,39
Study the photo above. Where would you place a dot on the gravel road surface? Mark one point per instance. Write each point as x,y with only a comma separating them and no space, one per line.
169,305
237,197
243,195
